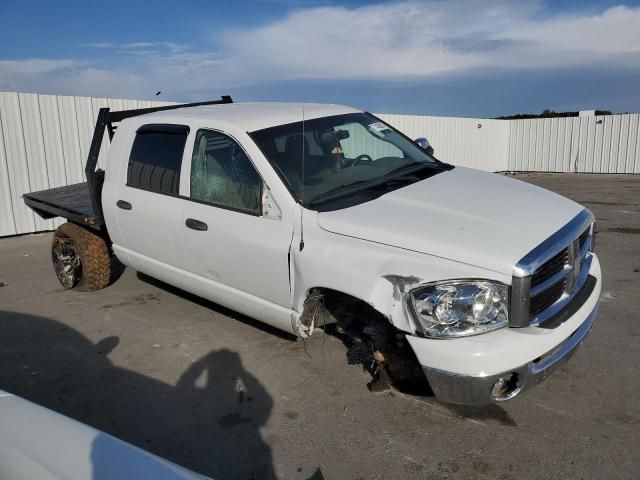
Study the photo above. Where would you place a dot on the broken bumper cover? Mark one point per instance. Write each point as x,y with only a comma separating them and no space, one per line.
481,390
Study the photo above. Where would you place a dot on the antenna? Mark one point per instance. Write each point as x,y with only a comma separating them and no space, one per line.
302,187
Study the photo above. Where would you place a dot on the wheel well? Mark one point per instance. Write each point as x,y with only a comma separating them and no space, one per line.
361,325
325,305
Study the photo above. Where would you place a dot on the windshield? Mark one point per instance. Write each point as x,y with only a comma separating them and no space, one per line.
343,160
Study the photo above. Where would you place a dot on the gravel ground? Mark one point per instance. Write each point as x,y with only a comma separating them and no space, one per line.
227,397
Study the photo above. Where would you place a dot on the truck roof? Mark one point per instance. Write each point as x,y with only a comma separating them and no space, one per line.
252,116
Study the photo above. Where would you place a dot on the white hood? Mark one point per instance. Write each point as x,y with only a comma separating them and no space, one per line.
483,219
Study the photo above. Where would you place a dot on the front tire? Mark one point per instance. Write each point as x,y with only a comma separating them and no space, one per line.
80,258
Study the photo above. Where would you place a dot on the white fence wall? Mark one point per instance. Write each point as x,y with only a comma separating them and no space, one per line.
602,144
469,142
44,142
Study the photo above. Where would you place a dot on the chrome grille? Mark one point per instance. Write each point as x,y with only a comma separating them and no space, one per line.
549,276
547,297
550,268
584,237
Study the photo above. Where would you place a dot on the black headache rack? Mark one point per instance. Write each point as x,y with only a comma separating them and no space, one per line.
82,202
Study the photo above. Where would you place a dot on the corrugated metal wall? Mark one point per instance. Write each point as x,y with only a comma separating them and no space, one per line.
44,142
469,142
602,144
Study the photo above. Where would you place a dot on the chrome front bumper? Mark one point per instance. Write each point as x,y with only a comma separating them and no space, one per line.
469,390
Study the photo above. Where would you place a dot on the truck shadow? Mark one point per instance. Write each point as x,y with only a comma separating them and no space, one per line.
487,412
117,269
209,421
215,307
418,387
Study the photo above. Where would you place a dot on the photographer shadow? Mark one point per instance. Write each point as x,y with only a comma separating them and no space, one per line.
209,421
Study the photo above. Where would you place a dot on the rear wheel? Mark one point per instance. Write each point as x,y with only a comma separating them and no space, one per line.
80,258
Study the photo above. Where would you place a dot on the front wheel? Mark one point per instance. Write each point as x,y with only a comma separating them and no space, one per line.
80,258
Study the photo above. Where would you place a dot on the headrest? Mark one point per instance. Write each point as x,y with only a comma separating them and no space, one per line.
296,146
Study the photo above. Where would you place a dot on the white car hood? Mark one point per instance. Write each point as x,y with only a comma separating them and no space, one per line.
38,443
483,219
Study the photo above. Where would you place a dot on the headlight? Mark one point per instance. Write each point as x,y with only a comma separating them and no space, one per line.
460,308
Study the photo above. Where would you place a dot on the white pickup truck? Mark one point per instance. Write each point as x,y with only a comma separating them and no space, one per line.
298,215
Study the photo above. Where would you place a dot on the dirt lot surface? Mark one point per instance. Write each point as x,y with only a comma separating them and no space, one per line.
229,398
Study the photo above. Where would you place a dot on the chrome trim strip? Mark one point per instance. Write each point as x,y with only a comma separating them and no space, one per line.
520,302
586,248
551,281
576,265
552,245
574,261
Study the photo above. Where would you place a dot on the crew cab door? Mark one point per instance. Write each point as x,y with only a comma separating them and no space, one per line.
238,255
149,207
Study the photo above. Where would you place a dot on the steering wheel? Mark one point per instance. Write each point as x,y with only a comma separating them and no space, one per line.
360,158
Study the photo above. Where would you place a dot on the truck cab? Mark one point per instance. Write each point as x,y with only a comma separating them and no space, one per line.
305,214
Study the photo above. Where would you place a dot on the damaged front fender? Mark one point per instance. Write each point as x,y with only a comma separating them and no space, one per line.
377,274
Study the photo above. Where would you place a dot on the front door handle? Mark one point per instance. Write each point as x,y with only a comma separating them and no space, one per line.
194,224
124,205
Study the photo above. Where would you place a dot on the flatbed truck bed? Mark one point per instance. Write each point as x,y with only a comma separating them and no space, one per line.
72,202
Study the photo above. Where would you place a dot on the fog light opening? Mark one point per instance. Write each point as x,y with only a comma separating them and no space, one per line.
506,387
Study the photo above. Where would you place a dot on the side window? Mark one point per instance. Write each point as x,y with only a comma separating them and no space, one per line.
223,175
156,157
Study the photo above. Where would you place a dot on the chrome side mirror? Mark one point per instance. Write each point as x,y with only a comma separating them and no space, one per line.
424,144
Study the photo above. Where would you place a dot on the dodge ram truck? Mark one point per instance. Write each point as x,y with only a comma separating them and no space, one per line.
301,215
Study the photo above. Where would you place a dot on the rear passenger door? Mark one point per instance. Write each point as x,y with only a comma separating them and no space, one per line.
239,255
149,207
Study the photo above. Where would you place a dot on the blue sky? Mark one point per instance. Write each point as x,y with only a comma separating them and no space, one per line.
461,58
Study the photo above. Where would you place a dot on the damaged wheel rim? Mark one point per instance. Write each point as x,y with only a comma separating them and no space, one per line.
66,262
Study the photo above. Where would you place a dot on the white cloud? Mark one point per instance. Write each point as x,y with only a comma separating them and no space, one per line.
35,66
70,77
136,45
395,40
408,39
615,31
98,45
105,83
